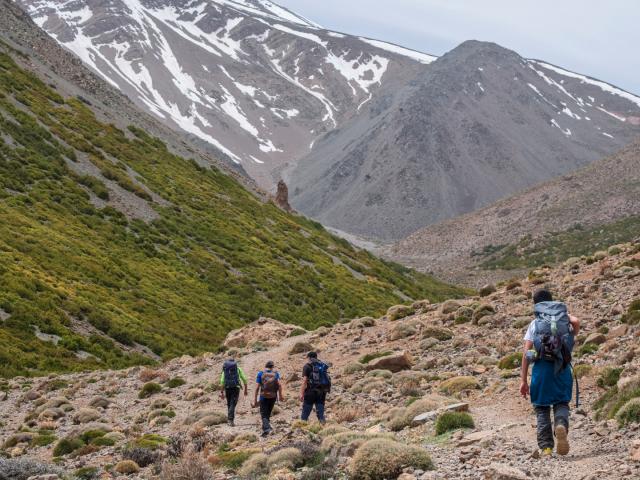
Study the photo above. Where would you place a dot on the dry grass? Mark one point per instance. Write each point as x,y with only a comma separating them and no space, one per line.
147,374
347,414
191,466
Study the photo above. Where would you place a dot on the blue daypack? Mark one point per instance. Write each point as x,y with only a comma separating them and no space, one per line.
553,338
231,375
319,378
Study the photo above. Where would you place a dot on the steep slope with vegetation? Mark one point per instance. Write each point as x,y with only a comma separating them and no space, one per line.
114,251
426,392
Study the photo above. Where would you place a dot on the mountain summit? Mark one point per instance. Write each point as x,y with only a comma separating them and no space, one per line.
478,124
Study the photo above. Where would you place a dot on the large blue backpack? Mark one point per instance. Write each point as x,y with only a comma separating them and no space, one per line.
231,375
553,337
319,378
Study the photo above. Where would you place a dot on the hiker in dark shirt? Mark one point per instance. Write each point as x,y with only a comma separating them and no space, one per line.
230,380
315,386
269,386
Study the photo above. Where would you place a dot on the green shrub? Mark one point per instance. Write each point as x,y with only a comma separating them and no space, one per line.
149,441
511,361
353,367
43,439
149,389
399,312
441,334
67,446
448,421
86,473
176,382
587,349
629,412
255,466
609,377
232,460
381,459
372,356
458,384
296,332
632,316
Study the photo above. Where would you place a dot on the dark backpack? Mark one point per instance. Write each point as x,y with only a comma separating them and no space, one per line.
553,338
269,384
231,375
319,378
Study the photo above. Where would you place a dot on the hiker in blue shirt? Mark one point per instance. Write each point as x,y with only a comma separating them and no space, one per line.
547,344
269,386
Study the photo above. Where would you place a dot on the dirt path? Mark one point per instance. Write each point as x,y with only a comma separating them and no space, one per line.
598,451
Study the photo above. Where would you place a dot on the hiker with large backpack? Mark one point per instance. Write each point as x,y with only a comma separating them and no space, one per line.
230,379
269,387
316,383
548,344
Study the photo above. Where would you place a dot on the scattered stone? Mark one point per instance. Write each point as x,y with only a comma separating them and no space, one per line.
498,471
475,437
596,338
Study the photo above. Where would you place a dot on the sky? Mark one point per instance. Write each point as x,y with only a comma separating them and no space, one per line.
594,37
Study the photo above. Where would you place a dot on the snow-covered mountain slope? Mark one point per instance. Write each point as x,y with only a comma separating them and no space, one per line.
248,76
478,124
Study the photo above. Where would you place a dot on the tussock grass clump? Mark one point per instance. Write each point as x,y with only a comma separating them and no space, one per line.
373,355
176,382
629,412
482,311
149,389
368,385
403,330
254,467
402,417
353,367
632,316
289,458
448,421
399,312
379,373
511,361
127,467
441,334
608,405
381,459
458,384
609,377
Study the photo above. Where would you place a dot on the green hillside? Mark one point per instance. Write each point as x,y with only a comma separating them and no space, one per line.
215,257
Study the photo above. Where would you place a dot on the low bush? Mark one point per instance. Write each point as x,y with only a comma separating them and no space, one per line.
140,455
254,467
176,382
399,312
482,311
86,473
23,468
372,356
441,334
353,367
458,384
126,467
629,412
381,459
609,377
149,389
632,316
289,458
587,349
403,417
448,421
231,460
511,361
67,446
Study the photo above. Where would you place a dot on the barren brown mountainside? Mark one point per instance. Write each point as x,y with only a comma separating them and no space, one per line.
567,209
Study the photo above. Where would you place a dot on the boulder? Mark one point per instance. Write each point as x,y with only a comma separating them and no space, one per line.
475,437
596,338
618,331
395,362
425,417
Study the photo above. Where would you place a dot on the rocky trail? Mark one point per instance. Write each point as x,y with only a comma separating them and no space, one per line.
429,391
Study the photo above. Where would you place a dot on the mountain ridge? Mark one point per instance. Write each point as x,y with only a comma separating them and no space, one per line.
603,192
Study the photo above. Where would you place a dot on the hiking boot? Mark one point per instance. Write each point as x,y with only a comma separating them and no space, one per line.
231,423
546,452
563,442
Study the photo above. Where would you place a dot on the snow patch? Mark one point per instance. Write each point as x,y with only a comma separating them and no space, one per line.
407,52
